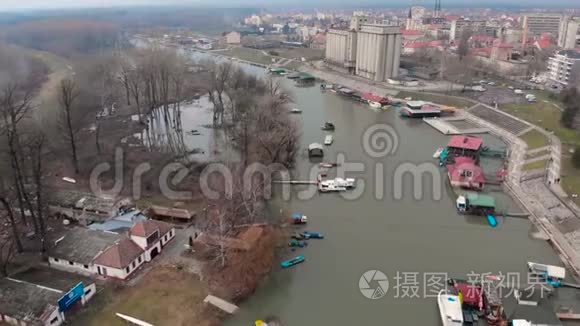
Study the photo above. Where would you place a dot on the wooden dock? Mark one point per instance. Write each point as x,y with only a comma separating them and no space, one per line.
443,126
221,303
296,182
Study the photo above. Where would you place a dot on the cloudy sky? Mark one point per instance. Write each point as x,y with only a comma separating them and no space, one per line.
45,4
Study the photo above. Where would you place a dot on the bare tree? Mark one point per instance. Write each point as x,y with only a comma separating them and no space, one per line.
463,47
67,97
8,249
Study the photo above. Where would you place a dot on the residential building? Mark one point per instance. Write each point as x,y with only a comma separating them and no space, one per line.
27,304
107,253
475,26
538,23
84,207
564,67
42,296
233,38
369,50
569,37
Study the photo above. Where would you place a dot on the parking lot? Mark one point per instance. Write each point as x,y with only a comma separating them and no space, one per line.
497,94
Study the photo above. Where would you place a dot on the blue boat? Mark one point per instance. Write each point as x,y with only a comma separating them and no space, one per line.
299,218
291,262
491,221
312,235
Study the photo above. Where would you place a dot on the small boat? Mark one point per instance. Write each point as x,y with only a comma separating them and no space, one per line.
299,218
375,105
438,152
330,186
296,243
328,165
328,140
450,309
291,262
313,235
297,236
491,220
295,110
328,126
347,183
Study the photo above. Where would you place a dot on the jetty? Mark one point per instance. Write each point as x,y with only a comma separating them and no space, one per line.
222,304
454,126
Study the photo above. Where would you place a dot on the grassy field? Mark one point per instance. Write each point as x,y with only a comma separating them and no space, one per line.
535,165
165,296
544,115
570,180
537,154
534,139
298,53
248,54
437,99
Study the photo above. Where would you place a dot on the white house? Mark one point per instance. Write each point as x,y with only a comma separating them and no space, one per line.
233,38
110,254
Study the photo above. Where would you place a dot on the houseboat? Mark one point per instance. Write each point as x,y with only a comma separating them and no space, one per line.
278,71
330,186
469,146
304,78
345,91
464,173
328,126
328,140
475,204
299,218
375,101
420,109
315,150
291,262
450,309
552,275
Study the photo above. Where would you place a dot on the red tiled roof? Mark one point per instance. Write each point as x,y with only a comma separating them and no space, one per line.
471,293
410,32
148,227
462,164
373,97
543,43
465,142
119,255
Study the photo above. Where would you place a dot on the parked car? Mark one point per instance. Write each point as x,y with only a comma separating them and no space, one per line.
518,91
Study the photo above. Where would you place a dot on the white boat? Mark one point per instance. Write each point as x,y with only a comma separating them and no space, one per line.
375,105
329,186
438,152
346,183
450,309
295,110
328,140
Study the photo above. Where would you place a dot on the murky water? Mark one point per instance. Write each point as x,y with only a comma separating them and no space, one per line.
380,230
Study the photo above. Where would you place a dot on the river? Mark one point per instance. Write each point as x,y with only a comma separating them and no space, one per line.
397,235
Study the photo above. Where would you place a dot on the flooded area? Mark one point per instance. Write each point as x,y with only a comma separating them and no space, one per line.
383,226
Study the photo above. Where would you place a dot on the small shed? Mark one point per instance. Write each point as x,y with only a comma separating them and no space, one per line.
171,213
315,150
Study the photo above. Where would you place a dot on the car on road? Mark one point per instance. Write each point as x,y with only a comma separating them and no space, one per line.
518,91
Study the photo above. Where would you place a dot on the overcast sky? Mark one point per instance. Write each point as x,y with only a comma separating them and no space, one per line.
47,4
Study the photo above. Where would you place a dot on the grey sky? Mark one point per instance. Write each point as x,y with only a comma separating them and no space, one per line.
45,4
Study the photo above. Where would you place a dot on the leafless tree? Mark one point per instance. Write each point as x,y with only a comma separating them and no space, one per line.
67,97
8,248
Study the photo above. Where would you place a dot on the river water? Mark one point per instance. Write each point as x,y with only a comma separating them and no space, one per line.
398,235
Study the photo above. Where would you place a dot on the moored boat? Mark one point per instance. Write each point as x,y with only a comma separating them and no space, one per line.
299,218
295,110
291,262
330,186
328,126
313,235
438,152
450,309
328,140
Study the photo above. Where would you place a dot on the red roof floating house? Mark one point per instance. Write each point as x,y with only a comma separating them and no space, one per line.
465,146
375,98
471,294
465,173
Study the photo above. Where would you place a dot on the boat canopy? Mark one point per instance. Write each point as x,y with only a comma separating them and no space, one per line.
475,199
305,77
374,98
549,270
314,146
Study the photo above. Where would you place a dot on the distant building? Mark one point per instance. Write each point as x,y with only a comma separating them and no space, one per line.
368,50
569,37
564,67
233,38
538,23
474,26
83,206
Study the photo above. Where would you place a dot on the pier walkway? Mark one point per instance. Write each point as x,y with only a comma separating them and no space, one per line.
454,126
